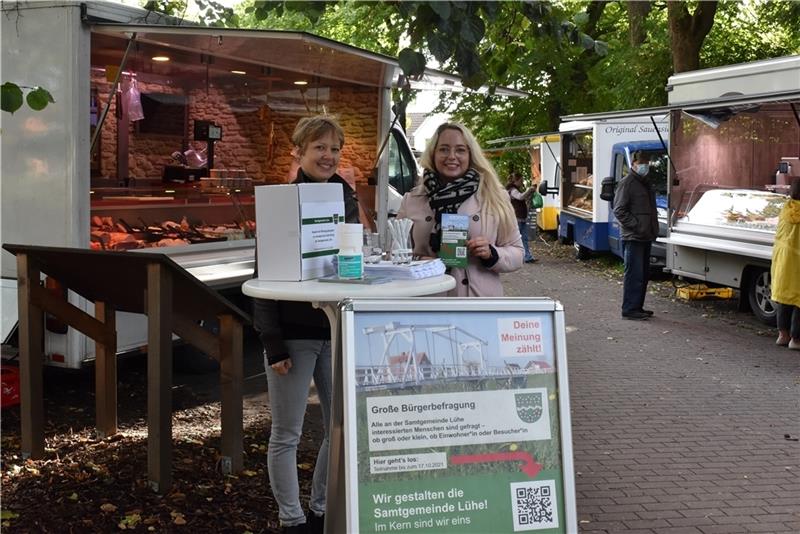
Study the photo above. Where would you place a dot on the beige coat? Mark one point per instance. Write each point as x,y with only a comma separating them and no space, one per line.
476,280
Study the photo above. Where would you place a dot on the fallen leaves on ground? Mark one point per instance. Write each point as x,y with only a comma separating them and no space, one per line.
87,485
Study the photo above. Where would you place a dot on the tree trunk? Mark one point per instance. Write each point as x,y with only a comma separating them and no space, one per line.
595,11
637,14
687,32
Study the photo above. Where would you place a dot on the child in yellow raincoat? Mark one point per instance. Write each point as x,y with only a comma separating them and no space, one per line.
786,270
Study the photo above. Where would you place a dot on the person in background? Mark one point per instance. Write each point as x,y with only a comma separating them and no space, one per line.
635,209
457,178
785,270
520,198
297,347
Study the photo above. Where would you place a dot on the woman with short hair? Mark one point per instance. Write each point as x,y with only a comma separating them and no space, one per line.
297,347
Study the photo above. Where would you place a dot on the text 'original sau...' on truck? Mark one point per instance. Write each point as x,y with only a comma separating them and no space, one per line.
159,134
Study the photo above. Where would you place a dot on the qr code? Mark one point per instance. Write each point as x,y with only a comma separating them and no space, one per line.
534,505
461,252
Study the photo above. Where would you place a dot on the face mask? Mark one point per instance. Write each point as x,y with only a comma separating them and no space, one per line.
642,169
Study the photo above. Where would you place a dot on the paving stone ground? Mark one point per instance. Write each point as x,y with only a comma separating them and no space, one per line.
684,423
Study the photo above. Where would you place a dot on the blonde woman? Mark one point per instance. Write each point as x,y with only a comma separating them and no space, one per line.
457,178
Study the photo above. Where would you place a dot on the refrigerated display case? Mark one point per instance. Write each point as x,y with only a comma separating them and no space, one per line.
578,172
732,209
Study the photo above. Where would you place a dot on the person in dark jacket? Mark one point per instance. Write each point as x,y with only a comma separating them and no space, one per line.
635,209
297,347
520,198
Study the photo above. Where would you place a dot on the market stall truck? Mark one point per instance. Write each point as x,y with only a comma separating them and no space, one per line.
735,145
545,152
587,154
144,178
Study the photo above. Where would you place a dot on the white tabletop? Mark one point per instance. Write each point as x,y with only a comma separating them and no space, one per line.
316,291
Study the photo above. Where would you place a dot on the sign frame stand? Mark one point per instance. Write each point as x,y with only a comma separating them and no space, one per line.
504,446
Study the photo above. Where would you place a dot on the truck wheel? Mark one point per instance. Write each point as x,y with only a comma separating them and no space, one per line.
759,291
581,252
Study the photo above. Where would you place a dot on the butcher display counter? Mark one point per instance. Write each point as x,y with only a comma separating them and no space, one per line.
207,228
578,172
578,186
718,211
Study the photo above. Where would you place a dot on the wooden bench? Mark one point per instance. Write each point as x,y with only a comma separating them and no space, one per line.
172,299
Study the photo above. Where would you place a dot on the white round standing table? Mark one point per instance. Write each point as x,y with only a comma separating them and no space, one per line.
322,293
326,296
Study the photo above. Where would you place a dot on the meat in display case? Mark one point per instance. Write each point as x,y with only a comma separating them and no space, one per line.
150,216
747,209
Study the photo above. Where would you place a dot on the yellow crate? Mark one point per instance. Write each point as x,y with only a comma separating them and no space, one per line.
702,291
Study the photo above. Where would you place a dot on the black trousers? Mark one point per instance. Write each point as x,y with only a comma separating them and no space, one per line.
788,319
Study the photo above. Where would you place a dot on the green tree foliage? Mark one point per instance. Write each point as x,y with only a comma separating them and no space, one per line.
370,25
451,32
571,57
752,31
211,13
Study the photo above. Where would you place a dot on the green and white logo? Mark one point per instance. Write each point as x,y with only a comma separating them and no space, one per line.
529,406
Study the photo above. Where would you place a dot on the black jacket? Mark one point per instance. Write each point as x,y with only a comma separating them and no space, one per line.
278,320
520,206
635,208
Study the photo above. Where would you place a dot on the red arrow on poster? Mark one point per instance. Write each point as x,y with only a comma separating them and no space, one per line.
529,465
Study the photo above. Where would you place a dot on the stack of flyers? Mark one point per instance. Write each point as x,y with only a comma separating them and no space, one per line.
453,250
409,271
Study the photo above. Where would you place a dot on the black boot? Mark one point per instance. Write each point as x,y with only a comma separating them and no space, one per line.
302,528
316,523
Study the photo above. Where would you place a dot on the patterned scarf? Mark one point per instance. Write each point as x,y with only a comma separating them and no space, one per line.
447,198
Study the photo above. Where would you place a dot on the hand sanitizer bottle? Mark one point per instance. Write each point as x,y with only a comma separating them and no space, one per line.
350,259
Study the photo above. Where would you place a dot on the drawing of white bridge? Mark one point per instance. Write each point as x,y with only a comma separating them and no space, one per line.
414,354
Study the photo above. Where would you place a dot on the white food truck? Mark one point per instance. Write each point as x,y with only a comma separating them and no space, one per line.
591,150
160,132
735,148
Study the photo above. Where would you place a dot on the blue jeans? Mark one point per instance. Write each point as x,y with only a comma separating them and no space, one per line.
288,396
636,255
523,231
788,319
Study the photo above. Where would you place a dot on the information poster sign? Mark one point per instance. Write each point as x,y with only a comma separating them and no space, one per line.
457,416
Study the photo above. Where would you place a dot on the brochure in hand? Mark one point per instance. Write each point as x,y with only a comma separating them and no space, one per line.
453,250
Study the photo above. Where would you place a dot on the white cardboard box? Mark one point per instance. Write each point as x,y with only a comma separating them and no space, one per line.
295,230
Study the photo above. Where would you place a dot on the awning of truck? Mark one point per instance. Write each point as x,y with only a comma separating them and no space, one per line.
521,142
293,51
734,102
716,112
621,114
549,136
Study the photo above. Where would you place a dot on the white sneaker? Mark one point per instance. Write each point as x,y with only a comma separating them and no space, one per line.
782,340
794,344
